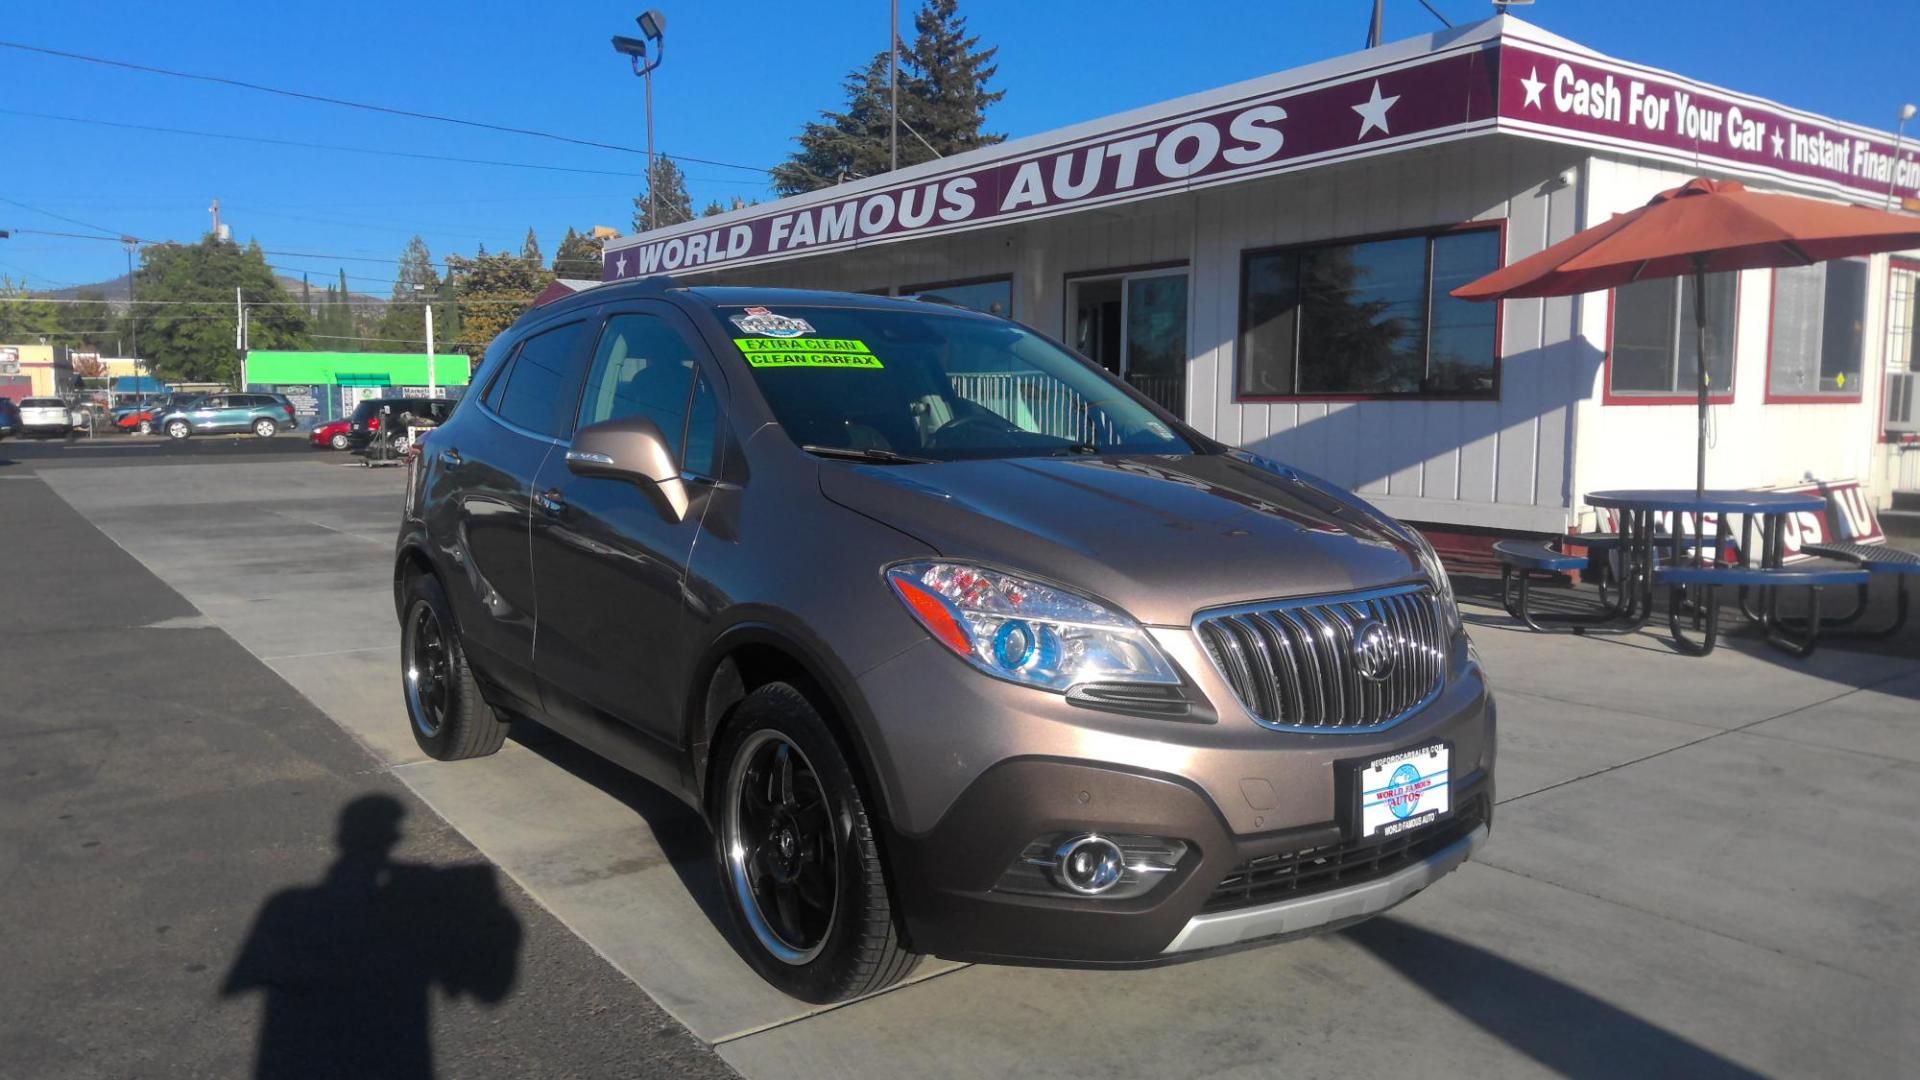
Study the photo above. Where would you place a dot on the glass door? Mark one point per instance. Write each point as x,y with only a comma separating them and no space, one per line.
1135,325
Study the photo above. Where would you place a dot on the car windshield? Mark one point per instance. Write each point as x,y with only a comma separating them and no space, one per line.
934,385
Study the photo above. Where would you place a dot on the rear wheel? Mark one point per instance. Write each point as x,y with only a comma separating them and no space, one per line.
265,428
146,427
449,718
178,429
798,862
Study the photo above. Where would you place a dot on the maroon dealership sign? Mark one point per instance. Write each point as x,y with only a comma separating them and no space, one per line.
1605,103
1505,82
1352,115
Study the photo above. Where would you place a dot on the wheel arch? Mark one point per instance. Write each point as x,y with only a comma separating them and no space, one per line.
749,655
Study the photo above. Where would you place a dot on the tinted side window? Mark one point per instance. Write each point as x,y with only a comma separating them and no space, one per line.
542,382
644,367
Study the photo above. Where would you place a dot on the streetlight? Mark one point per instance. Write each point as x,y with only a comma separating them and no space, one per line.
654,26
133,322
1893,173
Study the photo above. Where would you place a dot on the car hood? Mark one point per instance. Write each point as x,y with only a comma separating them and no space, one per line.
1162,536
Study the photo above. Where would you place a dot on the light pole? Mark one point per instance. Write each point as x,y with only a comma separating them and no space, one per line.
433,384
133,321
654,26
1893,173
893,86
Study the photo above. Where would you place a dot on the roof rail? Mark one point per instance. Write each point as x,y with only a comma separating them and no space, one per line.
935,298
659,282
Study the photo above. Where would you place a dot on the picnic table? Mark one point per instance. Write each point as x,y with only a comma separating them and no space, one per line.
1692,561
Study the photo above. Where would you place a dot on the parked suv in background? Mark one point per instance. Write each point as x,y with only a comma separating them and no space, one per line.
45,416
961,645
212,414
9,417
365,422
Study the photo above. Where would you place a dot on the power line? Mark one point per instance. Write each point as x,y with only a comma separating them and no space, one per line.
56,217
326,100
318,146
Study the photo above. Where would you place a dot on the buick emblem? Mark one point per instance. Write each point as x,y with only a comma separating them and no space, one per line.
1373,654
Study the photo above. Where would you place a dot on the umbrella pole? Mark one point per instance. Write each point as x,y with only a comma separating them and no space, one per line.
1700,363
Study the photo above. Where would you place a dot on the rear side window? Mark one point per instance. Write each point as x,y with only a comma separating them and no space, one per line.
538,389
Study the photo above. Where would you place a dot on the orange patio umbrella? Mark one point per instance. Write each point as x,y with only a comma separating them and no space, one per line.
1701,227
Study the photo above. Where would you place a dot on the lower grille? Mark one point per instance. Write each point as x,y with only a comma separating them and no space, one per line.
1316,870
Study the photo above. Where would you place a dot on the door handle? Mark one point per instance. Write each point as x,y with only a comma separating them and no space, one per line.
551,502
451,458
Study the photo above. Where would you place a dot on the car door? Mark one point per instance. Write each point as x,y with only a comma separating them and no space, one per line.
609,561
207,414
481,478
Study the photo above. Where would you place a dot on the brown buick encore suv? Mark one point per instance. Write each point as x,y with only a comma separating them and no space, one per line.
961,645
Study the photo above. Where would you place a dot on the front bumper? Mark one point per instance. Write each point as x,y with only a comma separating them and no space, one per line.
972,770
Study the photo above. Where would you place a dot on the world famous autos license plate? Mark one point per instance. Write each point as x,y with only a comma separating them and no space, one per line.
1404,791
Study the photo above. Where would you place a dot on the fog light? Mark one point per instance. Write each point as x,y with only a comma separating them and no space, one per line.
1110,867
1089,865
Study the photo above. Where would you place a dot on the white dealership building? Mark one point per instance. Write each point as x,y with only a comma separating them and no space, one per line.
1271,260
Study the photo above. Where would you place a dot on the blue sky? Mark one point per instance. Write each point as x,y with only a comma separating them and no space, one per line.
738,81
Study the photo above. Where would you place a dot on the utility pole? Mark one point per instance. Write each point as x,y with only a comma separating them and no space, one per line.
893,85
133,316
240,334
433,385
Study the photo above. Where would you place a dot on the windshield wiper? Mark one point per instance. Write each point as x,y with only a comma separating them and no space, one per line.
886,457
1074,448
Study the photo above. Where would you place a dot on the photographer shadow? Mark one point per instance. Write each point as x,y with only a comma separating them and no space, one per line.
347,964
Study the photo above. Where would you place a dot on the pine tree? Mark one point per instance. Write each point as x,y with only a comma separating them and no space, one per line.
530,249
673,204
403,327
943,100
949,80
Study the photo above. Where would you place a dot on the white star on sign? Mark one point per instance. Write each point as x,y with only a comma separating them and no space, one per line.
1534,86
1373,112
1779,145
620,265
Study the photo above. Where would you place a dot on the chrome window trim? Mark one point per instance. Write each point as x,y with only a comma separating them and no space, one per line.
1260,608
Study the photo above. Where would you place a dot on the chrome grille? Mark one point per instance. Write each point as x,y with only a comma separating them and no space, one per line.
1298,664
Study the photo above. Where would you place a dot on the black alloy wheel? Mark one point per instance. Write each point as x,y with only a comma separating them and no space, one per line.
449,718
795,848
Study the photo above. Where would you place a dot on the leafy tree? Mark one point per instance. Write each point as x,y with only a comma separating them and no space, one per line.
530,248
403,326
714,208
188,342
578,257
493,291
89,323
22,318
943,100
673,204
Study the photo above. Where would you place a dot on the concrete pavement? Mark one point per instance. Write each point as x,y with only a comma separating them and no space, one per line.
1698,866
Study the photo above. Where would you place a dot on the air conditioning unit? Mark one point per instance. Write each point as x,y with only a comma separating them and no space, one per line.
1903,402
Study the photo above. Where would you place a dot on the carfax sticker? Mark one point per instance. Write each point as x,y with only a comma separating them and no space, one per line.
806,352
758,320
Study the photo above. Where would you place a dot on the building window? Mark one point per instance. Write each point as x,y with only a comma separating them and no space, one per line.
1656,350
1819,330
1134,324
994,297
1903,318
1371,318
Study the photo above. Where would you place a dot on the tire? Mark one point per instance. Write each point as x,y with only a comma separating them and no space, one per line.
339,441
400,445
146,427
265,428
178,429
795,838
449,718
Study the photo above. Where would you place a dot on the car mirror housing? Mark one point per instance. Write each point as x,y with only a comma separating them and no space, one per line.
633,449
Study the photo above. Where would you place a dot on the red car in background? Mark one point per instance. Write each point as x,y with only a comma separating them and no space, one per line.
332,434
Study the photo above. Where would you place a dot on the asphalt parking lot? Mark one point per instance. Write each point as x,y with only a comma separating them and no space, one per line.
1698,867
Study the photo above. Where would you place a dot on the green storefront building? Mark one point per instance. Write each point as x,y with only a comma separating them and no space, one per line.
327,385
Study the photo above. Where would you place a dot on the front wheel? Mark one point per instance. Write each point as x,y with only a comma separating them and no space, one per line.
339,441
178,429
797,858
265,428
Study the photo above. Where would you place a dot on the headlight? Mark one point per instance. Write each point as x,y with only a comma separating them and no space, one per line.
1026,632
1442,585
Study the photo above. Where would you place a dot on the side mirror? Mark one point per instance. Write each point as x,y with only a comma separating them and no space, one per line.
631,448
